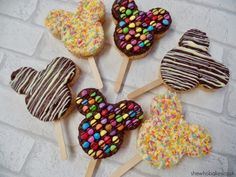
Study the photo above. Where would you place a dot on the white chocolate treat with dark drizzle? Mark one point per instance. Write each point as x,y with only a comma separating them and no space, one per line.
48,96
190,65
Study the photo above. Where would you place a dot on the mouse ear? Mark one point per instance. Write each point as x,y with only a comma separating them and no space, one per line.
196,40
91,10
199,141
90,100
55,21
121,8
165,104
160,19
129,115
22,78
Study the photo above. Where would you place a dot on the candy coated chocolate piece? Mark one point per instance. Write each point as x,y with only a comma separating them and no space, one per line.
105,126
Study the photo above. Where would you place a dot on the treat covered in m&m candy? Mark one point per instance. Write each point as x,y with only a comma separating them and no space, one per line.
136,30
101,132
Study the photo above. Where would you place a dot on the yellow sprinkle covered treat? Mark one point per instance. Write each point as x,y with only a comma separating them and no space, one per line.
165,137
81,32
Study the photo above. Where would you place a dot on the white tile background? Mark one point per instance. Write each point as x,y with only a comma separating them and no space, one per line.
28,147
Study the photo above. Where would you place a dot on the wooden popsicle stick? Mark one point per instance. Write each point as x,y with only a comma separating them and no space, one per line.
91,168
127,166
145,89
95,72
60,139
121,75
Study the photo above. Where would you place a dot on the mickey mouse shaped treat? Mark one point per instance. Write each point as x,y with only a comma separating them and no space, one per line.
136,30
48,95
188,66
101,132
165,137
81,32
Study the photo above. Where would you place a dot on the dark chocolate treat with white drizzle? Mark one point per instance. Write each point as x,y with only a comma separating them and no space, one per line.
190,65
48,96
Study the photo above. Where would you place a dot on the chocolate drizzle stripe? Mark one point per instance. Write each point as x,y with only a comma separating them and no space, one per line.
24,84
54,86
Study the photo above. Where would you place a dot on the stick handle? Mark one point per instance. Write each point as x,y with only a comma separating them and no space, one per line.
145,89
91,168
121,75
60,139
127,166
95,72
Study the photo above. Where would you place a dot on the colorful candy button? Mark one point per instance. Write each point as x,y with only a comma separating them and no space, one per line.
122,9
132,25
125,30
115,139
94,146
85,126
103,132
96,136
108,127
90,131
128,12
107,140
91,153
97,116
125,116
84,102
84,136
101,143
122,24
98,99
113,148
91,101
98,126
165,22
129,46
89,115
86,144
93,108
79,100
91,139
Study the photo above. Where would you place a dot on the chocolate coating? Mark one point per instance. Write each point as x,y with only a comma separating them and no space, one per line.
136,30
101,132
190,65
48,96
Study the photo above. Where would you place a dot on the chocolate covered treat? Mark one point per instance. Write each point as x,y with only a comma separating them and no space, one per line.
48,96
136,30
48,93
188,66
101,132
